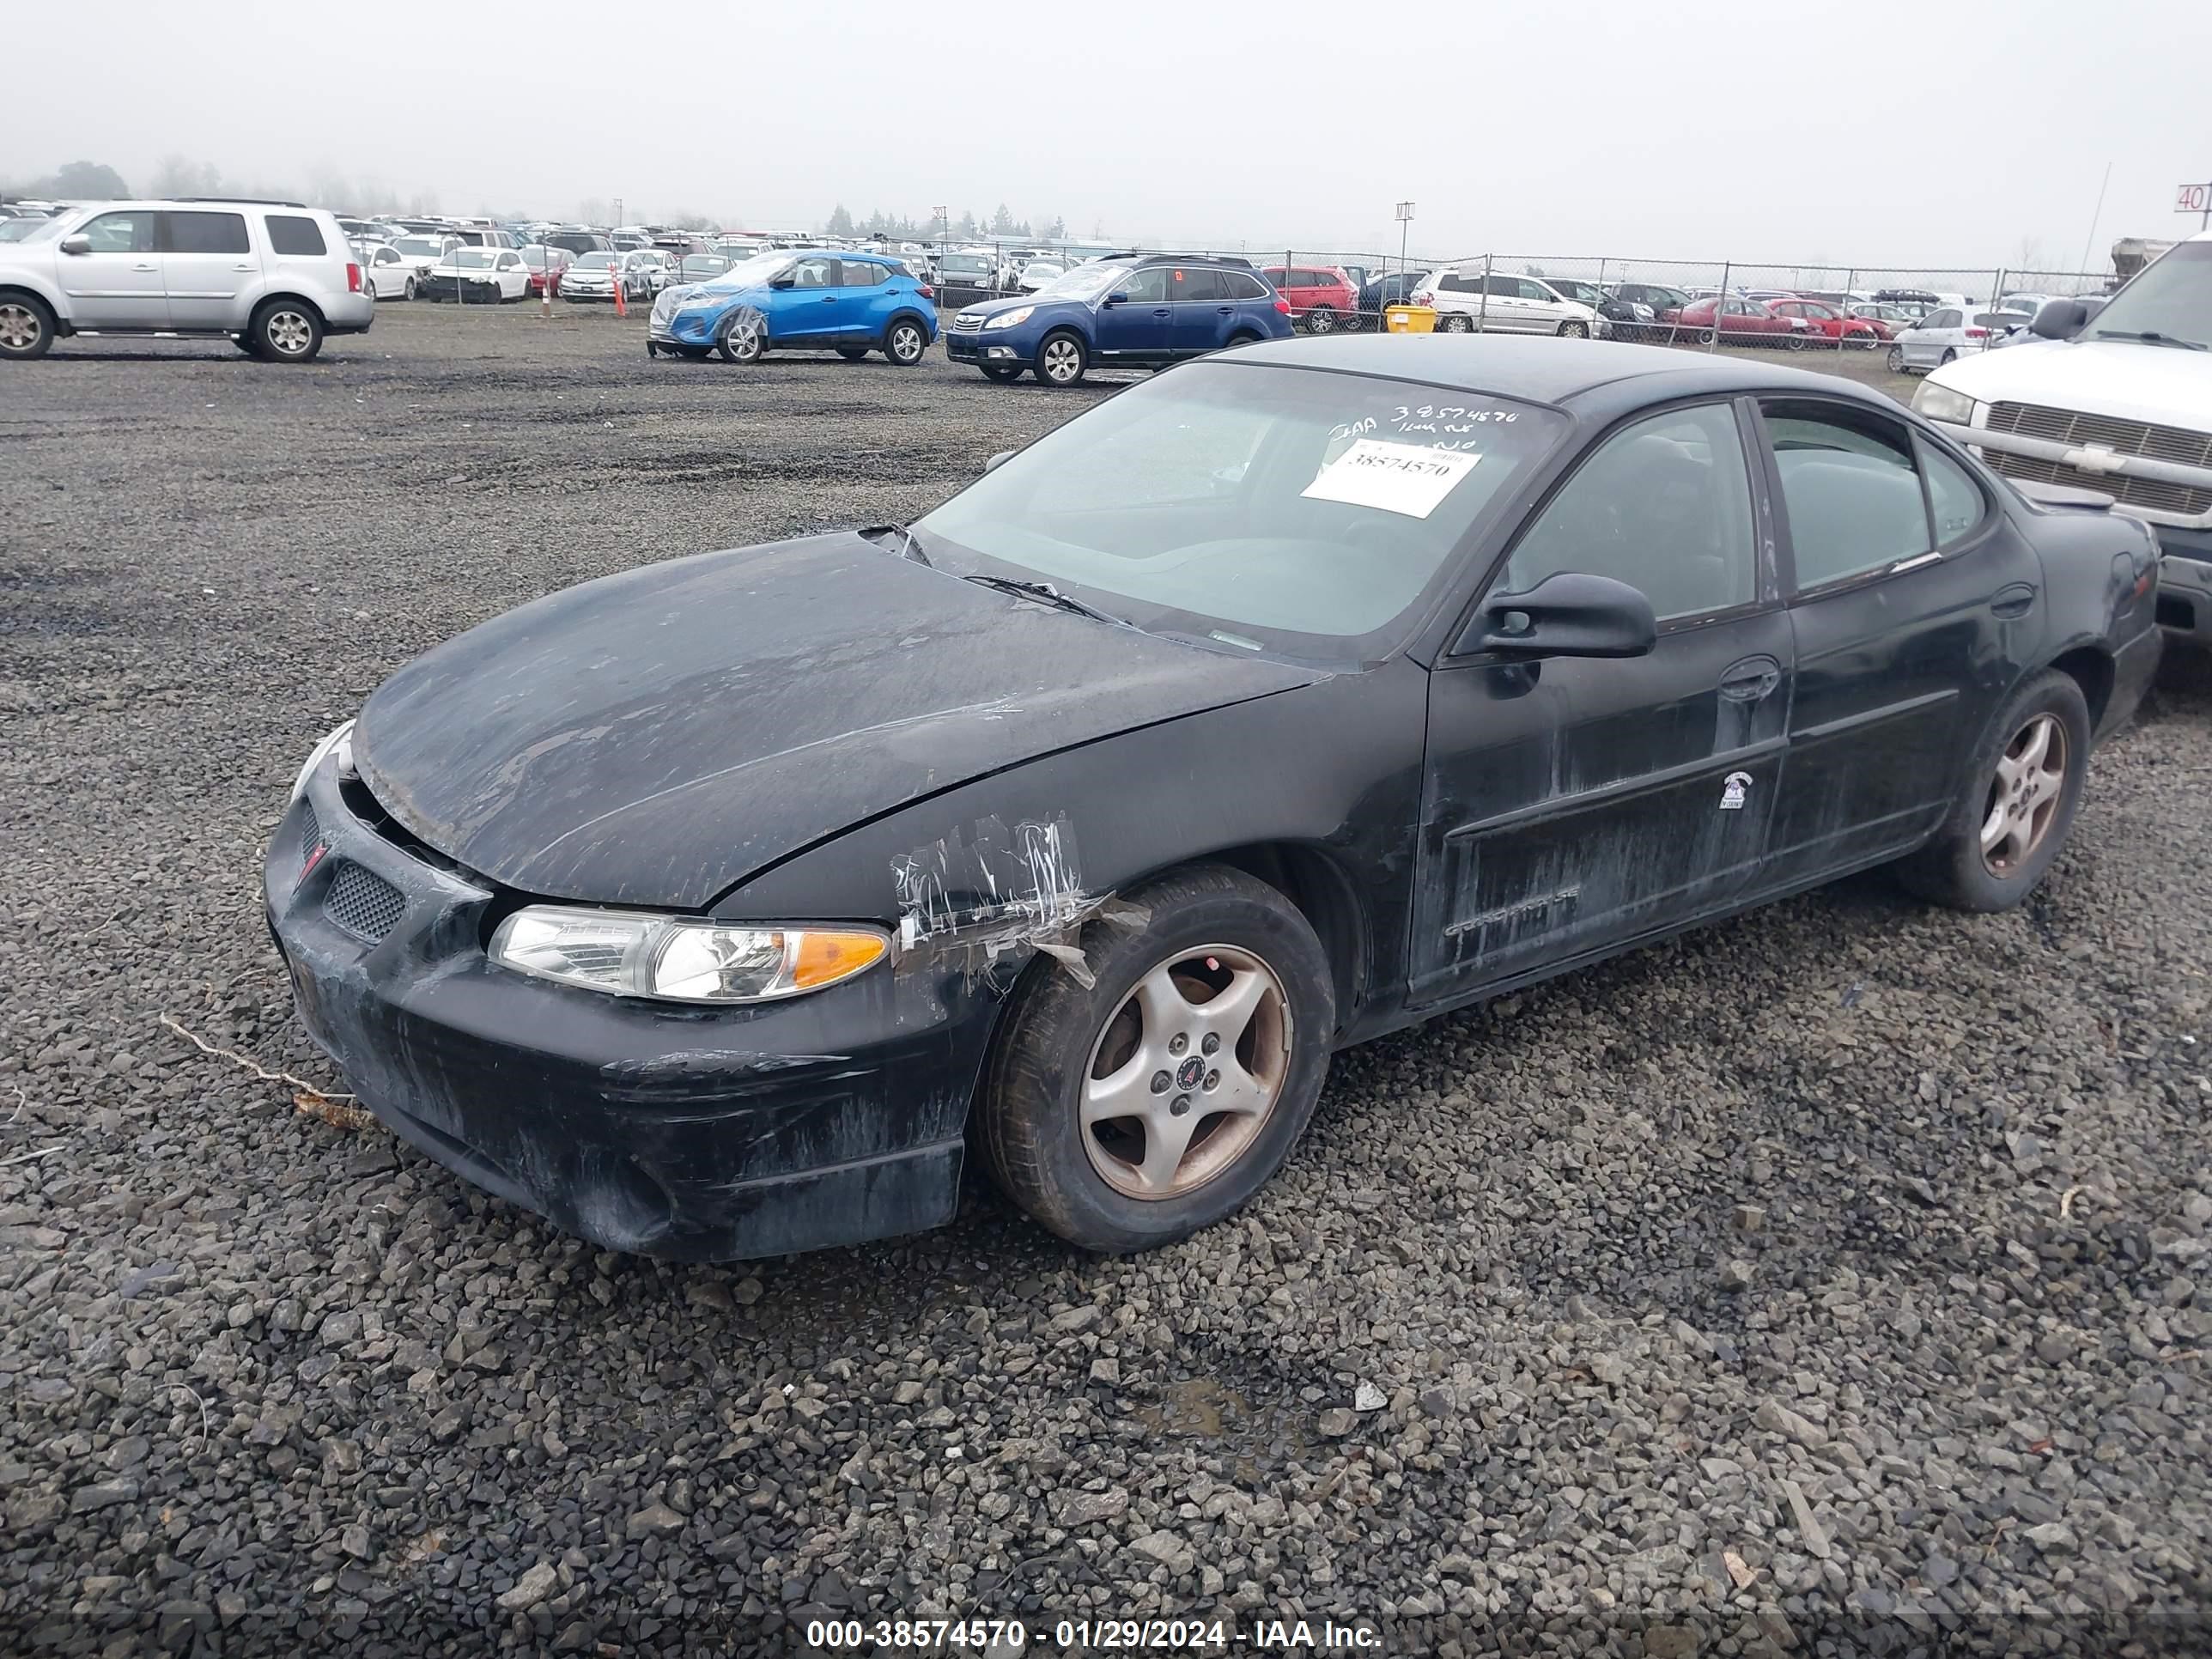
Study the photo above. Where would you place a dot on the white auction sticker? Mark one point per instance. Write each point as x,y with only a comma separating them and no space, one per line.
1407,478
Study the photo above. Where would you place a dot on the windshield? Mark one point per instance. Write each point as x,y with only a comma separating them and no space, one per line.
419,244
1261,507
750,273
471,259
26,230
1084,282
2172,297
969,262
598,261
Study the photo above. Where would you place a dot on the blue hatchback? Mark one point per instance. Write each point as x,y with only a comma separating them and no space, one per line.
1141,313
812,300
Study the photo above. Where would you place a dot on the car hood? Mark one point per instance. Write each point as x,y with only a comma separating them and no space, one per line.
987,309
654,738
2122,379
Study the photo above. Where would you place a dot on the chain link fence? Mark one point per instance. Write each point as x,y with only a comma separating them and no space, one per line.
1695,303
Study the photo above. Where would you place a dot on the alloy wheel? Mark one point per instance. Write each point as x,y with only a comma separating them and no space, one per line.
1573,332
1063,359
1895,361
19,328
2024,795
1185,1072
906,342
1321,320
1457,324
289,333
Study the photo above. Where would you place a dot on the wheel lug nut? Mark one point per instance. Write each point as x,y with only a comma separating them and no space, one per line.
1179,1105
1177,1043
1162,1082
1212,1042
1213,1081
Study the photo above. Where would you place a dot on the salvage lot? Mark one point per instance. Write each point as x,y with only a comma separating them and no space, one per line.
1860,1243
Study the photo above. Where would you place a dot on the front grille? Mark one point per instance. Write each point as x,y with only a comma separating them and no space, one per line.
2067,426
964,323
363,903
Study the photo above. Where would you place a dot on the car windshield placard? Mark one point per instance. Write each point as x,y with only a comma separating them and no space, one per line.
1407,478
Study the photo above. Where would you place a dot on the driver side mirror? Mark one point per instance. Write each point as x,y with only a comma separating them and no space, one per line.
997,460
785,281
1566,614
1118,297
77,244
2060,319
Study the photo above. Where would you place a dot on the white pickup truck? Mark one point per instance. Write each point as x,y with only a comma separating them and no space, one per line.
2114,396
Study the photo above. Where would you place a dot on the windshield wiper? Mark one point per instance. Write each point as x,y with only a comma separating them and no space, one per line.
1044,594
909,544
2150,337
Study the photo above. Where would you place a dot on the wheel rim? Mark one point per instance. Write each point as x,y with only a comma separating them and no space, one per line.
1896,361
1061,359
288,332
743,337
906,342
1214,1023
2024,795
1573,331
1458,326
1320,320
19,329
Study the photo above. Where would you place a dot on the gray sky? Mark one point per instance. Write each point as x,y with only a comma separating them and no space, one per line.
1878,134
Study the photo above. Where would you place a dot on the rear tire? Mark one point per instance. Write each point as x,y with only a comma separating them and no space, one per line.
1458,322
26,327
904,342
2014,792
1110,1184
1061,359
1574,330
285,331
1322,319
1948,356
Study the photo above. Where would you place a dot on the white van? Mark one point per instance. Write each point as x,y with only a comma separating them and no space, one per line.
2114,396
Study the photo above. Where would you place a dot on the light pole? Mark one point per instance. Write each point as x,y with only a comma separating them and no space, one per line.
1405,222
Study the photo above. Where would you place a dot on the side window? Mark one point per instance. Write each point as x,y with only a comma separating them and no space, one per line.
1664,506
121,233
208,232
1849,486
292,234
1954,499
1524,289
1242,285
1198,286
814,273
860,273
1148,286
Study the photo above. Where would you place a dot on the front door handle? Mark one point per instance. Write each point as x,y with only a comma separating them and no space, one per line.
243,267
1751,679
145,267
2014,599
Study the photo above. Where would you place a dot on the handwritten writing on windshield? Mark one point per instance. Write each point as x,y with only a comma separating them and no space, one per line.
1437,426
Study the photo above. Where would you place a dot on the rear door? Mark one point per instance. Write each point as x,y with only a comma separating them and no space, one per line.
1573,805
868,298
1203,311
1913,609
208,267
117,284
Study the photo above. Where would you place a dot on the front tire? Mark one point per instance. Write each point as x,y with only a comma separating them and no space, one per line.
1061,359
285,331
1322,319
1574,330
2021,791
407,292
27,328
1949,356
1458,322
1895,361
1226,994
904,342
742,341
852,354
1002,375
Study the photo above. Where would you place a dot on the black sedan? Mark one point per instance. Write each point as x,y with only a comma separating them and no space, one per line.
719,907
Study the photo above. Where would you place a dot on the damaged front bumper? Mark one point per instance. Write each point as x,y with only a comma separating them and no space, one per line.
697,1134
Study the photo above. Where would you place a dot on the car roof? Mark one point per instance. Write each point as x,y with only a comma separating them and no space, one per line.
1599,377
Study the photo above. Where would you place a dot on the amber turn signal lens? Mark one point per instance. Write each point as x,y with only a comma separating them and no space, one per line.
825,958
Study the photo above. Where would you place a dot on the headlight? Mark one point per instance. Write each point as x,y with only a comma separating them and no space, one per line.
1940,403
1010,318
341,741
678,958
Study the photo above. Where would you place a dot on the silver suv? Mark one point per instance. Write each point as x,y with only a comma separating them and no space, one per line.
274,276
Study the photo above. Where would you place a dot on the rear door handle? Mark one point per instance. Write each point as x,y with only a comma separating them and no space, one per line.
1751,679
2014,599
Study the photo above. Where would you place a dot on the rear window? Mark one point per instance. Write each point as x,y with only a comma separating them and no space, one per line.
295,234
208,232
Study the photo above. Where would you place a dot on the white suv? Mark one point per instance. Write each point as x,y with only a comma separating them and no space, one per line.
2114,396
274,276
1511,305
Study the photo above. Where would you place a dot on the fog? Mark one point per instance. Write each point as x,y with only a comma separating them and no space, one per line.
1868,134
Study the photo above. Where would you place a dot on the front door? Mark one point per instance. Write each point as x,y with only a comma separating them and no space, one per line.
208,266
811,310
117,285
1143,324
1572,805
1913,613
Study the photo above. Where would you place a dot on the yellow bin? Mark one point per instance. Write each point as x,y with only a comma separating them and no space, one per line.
1409,319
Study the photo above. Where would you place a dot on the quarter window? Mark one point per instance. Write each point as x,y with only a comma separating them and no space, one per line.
1664,506
1242,285
295,234
121,233
1850,490
208,232
1954,499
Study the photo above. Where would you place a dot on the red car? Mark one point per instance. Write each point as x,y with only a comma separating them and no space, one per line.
1833,323
1323,298
1745,322
545,265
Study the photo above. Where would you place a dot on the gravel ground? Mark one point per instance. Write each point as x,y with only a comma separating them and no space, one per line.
1836,1274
